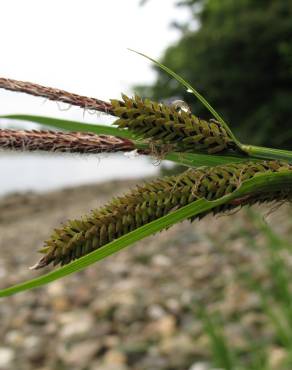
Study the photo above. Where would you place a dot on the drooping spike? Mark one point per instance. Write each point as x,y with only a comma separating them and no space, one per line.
153,200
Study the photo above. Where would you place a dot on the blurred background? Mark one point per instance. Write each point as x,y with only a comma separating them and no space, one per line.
214,294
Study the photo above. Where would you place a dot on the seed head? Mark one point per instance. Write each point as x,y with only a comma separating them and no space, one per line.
165,124
154,200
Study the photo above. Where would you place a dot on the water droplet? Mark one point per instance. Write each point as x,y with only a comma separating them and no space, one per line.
189,90
181,106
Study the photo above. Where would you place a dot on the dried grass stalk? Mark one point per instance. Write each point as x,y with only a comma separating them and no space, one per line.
71,142
56,95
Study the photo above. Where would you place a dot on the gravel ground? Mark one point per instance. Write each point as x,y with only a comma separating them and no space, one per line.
137,309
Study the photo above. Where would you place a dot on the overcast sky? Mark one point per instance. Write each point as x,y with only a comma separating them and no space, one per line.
81,46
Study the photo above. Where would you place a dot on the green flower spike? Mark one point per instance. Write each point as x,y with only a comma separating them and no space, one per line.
164,124
154,200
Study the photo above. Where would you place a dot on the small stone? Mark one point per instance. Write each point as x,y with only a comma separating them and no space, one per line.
75,324
121,294
111,341
156,311
161,260
15,338
6,358
18,321
101,366
164,327
31,341
114,357
40,317
277,356
35,348
154,361
51,328
3,271
173,305
82,296
56,289
200,366
128,313
181,344
80,354
178,350
60,304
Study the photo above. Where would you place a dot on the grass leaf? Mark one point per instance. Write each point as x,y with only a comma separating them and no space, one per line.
72,125
223,357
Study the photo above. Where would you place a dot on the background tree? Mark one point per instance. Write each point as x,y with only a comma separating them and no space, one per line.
240,58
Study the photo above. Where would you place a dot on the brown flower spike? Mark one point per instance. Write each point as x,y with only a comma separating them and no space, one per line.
64,142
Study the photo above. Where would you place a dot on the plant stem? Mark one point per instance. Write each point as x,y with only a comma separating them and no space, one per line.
201,159
192,159
267,153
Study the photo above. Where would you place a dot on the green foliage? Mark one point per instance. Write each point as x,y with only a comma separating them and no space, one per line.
221,350
277,297
241,59
274,293
62,124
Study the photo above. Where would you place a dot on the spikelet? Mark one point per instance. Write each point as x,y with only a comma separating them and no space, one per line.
164,124
151,201
67,142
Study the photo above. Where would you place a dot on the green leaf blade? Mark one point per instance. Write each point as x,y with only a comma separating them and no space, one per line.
72,125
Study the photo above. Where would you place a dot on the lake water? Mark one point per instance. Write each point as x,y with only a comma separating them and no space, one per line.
42,172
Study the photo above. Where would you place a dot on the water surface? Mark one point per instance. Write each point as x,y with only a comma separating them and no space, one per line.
42,172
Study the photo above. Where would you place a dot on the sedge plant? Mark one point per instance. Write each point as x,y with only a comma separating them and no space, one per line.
221,173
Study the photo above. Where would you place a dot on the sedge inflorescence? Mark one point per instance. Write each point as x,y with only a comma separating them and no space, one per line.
164,124
154,200
152,128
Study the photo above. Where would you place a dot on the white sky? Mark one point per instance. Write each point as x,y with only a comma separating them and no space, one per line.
81,46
